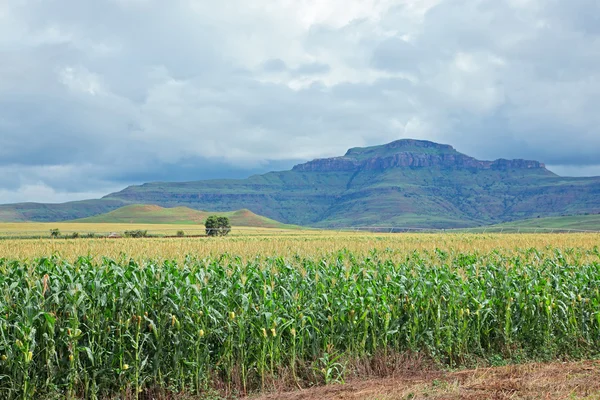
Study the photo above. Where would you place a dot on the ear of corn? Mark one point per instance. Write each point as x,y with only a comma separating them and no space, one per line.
97,328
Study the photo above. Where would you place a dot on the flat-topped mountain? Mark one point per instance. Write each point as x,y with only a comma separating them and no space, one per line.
405,183
411,153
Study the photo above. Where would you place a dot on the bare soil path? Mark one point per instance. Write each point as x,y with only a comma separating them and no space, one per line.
580,380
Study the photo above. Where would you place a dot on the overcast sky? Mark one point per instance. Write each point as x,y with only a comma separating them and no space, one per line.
99,94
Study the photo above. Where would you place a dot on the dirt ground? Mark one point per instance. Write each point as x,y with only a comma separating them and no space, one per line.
579,380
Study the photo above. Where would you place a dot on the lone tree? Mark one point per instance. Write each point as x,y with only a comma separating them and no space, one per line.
217,226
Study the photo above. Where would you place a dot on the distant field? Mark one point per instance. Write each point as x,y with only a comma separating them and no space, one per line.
566,223
168,221
251,242
42,229
157,221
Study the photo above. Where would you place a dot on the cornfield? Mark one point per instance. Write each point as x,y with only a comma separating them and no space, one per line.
304,243
99,327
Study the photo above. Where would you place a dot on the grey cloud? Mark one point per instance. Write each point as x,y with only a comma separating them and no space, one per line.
274,65
312,68
526,88
396,54
108,93
574,170
579,15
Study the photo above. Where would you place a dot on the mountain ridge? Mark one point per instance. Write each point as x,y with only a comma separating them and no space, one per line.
407,182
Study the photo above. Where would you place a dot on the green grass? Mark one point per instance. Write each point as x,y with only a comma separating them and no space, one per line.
549,224
152,214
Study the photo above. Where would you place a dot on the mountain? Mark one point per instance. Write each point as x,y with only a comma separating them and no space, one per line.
405,183
152,214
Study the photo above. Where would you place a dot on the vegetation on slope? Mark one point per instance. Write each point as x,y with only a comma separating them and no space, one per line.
152,214
590,222
402,184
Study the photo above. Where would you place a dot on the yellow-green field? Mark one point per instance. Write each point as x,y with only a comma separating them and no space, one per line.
250,242
42,229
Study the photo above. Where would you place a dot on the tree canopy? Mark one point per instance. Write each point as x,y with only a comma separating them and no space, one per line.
217,226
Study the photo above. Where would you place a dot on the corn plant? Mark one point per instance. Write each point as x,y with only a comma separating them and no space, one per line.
95,328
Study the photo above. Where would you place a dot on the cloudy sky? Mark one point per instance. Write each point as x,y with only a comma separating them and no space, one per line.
99,94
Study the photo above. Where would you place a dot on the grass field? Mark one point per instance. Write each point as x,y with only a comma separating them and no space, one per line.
160,221
252,242
42,229
152,214
231,316
566,223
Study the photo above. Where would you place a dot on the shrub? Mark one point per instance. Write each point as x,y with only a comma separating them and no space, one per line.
136,234
180,233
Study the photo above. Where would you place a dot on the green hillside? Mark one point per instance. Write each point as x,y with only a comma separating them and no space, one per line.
426,197
152,214
403,184
563,223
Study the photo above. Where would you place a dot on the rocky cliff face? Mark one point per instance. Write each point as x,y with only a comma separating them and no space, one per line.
410,154
516,164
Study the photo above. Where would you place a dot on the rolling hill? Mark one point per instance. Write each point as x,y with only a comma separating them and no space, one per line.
405,183
152,214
